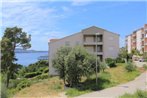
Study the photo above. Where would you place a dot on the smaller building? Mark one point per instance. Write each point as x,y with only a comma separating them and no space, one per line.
137,40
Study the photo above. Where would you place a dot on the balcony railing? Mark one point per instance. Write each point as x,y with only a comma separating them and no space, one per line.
93,43
98,53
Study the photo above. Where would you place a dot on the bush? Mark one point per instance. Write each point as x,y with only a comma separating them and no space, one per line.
130,67
46,70
43,76
111,62
145,55
3,90
138,94
14,83
103,66
32,74
145,66
24,83
120,60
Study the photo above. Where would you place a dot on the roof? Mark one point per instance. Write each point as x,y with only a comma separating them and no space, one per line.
54,40
145,26
101,29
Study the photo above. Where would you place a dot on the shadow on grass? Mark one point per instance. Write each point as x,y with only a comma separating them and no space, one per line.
90,84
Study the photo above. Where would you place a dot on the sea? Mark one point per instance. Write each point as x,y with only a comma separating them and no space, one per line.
29,58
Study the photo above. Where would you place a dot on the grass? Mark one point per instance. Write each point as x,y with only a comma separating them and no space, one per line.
137,94
111,77
45,88
53,86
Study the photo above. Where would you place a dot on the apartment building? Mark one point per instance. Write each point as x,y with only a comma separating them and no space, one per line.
92,38
137,40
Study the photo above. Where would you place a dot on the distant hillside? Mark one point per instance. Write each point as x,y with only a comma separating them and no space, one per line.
19,50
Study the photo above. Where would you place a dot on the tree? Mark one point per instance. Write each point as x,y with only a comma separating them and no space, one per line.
74,63
79,63
12,38
135,52
123,53
103,66
59,61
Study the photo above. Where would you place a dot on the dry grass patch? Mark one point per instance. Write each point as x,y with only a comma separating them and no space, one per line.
49,87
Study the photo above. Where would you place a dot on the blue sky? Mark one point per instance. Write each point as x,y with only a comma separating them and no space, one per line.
47,19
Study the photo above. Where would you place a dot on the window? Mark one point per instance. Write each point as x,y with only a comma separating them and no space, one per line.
67,43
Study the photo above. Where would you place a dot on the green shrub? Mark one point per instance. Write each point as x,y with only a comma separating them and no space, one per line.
137,94
32,74
145,60
141,94
14,83
23,84
3,90
111,62
43,76
120,60
145,55
130,67
145,66
103,66
46,70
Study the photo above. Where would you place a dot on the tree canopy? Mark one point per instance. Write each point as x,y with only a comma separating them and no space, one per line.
13,37
73,63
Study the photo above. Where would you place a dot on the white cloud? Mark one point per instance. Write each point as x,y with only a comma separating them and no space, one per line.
81,2
26,0
27,15
65,9
39,22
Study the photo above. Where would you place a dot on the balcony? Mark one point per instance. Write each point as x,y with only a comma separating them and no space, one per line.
91,40
96,53
93,43
134,35
92,49
134,40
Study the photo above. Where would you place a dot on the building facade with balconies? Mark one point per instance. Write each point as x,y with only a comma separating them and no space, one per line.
137,40
97,41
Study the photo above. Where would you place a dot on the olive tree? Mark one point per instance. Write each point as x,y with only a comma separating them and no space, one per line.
59,61
73,63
